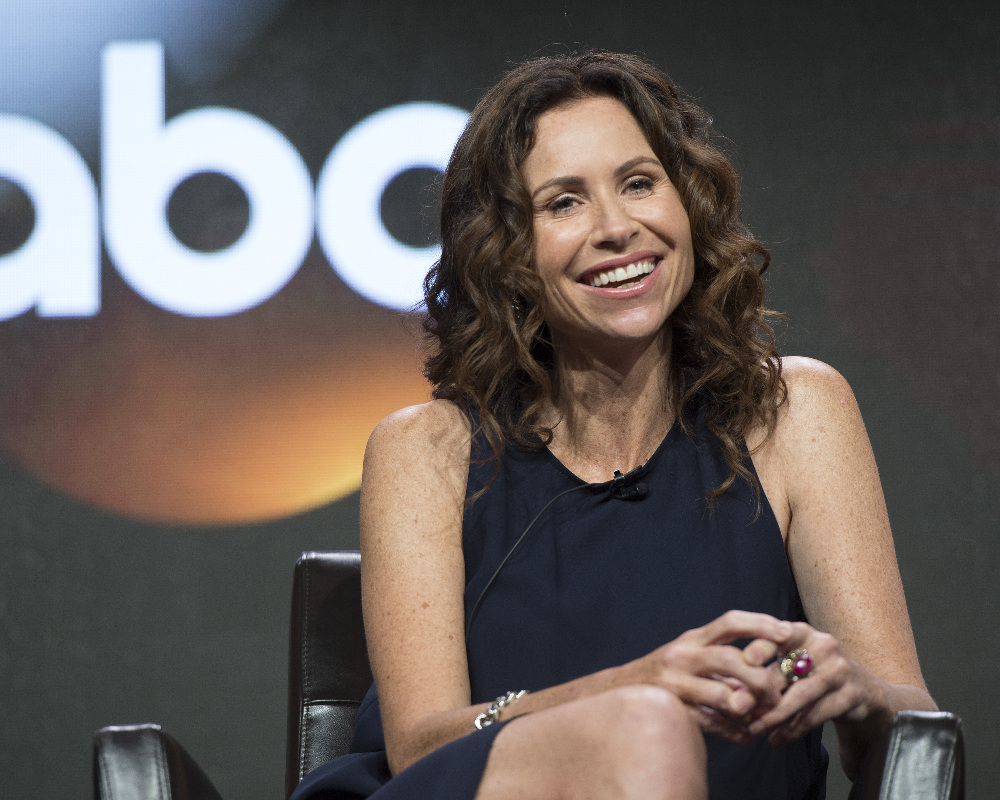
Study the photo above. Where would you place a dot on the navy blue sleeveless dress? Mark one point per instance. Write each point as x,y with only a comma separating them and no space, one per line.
597,581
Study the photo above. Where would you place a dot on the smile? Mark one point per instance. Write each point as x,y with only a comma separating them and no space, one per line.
620,277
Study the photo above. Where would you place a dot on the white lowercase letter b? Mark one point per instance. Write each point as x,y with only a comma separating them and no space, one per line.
145,158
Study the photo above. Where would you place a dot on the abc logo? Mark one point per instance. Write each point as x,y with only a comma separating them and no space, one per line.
144,158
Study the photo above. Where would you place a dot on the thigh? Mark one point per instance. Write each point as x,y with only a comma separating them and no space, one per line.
633,742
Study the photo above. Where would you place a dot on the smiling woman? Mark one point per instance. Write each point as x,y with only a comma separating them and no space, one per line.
599,320
604,210
495,230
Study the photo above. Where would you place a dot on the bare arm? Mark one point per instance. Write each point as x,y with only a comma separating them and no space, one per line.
413,575
820,476
413,583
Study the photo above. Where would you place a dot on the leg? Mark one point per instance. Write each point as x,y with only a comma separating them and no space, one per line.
634,742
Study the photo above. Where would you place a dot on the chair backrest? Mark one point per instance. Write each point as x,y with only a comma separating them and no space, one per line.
328,672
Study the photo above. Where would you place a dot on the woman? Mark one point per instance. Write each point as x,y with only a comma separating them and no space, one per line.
621,500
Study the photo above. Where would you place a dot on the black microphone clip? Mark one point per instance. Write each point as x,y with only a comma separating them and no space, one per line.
624,489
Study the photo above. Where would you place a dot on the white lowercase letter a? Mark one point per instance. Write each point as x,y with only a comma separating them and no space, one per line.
57,270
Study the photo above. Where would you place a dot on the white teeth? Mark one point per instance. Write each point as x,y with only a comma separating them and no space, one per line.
620,274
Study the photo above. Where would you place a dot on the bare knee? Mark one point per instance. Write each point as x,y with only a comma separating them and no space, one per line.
656,741
655,711
633,742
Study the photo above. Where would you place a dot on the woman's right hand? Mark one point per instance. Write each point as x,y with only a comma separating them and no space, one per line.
721,684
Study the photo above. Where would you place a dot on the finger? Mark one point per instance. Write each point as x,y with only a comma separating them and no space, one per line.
800,695
736,700
827,707
742,701
784,734
805,635
696,690
774,698
764,682
729,699
844,700
827,674
731,682
711,721
743,625
759,652
667,666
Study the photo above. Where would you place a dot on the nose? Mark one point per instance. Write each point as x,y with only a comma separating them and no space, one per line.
614,227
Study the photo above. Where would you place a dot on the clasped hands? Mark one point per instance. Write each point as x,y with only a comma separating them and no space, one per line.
738,693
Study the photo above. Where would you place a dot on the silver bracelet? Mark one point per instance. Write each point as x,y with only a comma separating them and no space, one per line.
492,712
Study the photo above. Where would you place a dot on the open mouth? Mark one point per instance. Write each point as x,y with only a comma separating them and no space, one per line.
621,277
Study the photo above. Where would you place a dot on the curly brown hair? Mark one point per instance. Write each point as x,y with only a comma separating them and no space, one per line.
493,355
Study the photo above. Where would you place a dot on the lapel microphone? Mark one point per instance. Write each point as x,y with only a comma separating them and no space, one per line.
626,487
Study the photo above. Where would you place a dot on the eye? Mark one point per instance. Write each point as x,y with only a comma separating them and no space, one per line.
639,184
561,204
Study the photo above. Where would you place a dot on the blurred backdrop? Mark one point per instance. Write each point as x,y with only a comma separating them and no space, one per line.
214,220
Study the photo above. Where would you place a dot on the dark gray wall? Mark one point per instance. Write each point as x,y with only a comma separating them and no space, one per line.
869,139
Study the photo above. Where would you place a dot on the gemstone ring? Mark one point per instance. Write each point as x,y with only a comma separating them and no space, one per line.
796,664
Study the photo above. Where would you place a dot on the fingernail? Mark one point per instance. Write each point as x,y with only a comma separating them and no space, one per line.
740,703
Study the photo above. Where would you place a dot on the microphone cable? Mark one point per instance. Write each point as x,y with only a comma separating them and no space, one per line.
475,608
619,488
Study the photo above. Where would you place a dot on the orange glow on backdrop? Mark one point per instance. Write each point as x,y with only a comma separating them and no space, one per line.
239,419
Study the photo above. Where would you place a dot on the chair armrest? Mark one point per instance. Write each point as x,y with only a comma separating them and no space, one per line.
143,762
921,755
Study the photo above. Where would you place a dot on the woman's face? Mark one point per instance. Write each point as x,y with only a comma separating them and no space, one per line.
612,239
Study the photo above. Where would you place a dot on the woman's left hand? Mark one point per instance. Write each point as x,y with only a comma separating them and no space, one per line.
836,688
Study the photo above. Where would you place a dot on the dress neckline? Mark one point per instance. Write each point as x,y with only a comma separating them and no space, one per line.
674,431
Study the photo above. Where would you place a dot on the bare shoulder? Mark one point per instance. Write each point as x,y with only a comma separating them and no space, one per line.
814,388
415,472
821,457
820,410
431,438
818,435
803,368
438,425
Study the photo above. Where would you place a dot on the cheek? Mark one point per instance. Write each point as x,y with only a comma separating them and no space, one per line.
689,276
670,223
554,247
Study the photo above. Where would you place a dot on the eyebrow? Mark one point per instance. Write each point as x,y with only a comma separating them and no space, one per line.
573,180
635,162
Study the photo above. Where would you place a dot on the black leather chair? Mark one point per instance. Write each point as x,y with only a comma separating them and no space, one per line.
328,676
328,672
921,756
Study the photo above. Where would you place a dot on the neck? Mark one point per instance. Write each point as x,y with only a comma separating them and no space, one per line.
610,410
